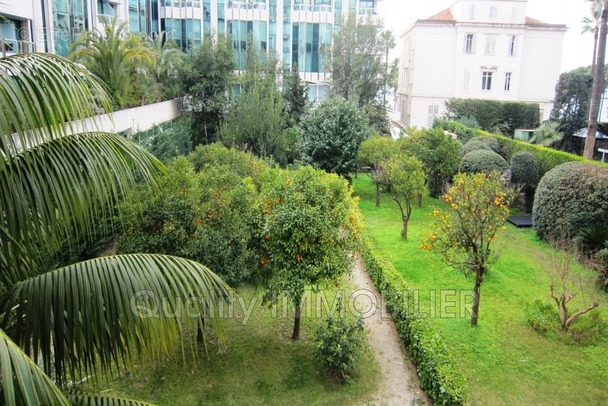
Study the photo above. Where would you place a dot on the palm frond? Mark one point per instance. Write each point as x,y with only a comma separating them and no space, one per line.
23,382
95,315
40,95
60,188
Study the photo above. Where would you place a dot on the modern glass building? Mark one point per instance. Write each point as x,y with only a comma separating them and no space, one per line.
298,31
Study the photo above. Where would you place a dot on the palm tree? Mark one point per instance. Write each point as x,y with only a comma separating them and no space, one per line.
593,25
547,134
85,318
114,54
598,83
168,57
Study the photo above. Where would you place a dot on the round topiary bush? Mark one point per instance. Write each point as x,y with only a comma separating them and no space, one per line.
524,169
525,173
490,142
483,161
475,145
570,197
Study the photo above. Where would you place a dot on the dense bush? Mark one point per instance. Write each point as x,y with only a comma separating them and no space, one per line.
525,173
439,375
570,197
168,140
497,116
439,153
210,217
483,161
463,133
240,163
475,145
489,141
339,344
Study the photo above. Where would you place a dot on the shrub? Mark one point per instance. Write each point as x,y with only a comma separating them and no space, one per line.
463,133
240,163
525,173
483,161
209,217
570,197
340,343
439,375
542,317
475,145
489,141
168,140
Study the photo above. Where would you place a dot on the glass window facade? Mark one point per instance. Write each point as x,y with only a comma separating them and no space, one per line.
185,32
239,30
69,21
309,40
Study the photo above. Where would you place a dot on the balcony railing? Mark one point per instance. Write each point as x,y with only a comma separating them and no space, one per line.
311,7
180,3
243,5
14,46
368,10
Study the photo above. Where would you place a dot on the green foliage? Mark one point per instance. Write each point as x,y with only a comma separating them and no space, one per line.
525,173
548,135
406,178
331,135
167,140
373,154
542,317
357,60
572,95
378,119
570,197
439,154
475,144
439,374
208,216
295,96
205,80
469,122
309,231
118,59
462,236
242,164
483,161
489,141
497,116
463,132
524,169
340,343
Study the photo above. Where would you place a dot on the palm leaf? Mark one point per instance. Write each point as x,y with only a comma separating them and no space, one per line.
95,315
23,382
58,189
40,96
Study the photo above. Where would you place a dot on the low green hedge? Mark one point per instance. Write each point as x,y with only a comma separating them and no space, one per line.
439,375
548,158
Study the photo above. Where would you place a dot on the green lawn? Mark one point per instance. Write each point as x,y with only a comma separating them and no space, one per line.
261,365
504,360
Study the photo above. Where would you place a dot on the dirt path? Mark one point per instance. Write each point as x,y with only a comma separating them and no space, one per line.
399,385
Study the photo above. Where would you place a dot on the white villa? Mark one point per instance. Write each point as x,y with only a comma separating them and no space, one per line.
477,49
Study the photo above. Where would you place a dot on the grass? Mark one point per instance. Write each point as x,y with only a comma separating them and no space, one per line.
261,364
505,361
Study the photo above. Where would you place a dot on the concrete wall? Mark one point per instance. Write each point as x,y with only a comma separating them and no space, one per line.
131,120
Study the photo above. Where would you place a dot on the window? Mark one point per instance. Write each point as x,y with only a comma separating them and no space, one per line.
508,81
468,44
466,80
486,81
490,44
433,112
512,45
514,13
472,12
493,13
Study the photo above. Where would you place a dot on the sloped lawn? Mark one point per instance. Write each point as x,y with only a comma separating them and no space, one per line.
505,361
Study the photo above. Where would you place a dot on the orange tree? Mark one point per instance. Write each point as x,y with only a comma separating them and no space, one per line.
462,235
310,232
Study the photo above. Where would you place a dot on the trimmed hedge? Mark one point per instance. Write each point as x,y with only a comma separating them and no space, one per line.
569,198
489,141
439,375
483,161
548,158
475,145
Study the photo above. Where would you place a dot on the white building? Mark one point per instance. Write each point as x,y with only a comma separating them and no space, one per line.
478,49
298,31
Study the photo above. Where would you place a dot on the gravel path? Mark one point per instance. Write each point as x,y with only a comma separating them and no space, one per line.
399,385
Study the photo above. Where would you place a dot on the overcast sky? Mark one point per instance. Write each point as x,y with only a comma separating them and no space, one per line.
400,14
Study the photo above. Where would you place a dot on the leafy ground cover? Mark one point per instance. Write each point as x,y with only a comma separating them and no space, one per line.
506,362
261,364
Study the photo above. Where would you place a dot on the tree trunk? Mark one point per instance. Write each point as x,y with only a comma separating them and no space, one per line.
377,194
406,219
596,38
296,322
475,308
598,86
420,200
